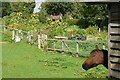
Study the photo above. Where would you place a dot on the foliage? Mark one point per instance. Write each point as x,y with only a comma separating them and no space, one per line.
42,16
72,30
24,7
72,21
14,19
75,30
95,73
89,11
20,21
57,7
57,28
102,36
82,32
94,11
92,30
6,10
7,36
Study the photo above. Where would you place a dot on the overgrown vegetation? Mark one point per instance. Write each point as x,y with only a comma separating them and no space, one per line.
85,22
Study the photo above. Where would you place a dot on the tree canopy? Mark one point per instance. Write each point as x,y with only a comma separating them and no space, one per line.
24,7
89,11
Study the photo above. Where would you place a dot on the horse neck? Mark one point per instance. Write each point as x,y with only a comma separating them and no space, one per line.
105,52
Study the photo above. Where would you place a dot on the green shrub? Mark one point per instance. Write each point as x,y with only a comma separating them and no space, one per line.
102,36
72,21
7,36
42,16
67,16
23,22
95,73
72,30
57,28
82,32
92,30
83,23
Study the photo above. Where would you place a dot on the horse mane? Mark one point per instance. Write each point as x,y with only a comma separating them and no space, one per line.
105,52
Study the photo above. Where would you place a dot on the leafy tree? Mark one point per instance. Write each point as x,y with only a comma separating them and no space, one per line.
42,16
24,7
92,12
58,7
88,11
6,10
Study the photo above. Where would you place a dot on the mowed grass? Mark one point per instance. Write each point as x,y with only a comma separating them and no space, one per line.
21,60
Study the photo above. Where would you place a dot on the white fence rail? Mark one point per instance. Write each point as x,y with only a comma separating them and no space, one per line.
42,41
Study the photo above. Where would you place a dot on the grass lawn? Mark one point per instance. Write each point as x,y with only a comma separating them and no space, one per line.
21,60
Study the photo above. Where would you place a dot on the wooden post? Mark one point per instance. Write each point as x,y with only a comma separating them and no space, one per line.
54,45
62,45
103,46
99,30
39,44
13,34
29,36
21,35
42,40
5,28
17,32
77,49
45,41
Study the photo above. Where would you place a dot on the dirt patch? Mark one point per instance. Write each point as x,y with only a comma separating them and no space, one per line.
2,43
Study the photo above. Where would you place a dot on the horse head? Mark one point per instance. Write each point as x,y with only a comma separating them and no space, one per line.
96,57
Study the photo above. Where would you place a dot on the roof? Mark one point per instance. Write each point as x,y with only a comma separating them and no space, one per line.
55,17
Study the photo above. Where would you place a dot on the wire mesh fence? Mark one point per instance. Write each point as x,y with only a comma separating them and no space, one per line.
75,46
64,45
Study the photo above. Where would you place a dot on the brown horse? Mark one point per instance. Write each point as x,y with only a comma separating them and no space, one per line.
96,57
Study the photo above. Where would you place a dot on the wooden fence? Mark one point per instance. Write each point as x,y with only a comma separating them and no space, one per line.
41,41
32,37
72,46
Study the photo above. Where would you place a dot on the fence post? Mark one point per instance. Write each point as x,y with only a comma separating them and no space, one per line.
21,35
29,36
44,41
62,45
54,45
77,49
13,34
17,32
103,46
5,28
39,44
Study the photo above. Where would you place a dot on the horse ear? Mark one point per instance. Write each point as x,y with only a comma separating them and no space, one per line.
97,47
